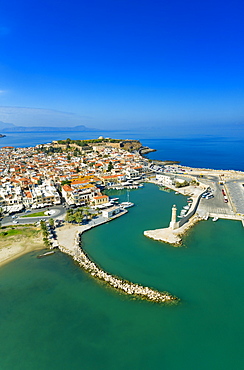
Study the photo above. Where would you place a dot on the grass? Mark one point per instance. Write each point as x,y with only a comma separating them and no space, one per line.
37,214
25,234
23,231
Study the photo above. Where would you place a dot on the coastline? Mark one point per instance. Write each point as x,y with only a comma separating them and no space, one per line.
17,247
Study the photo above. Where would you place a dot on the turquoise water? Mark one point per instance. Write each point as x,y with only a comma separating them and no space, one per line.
55,316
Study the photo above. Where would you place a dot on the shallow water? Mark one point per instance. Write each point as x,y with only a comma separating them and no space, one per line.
55,316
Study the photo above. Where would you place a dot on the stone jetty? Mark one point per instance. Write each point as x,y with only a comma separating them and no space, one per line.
124,286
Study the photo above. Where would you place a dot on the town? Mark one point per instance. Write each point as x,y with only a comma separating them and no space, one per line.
67,172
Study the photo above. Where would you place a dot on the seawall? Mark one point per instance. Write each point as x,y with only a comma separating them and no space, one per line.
122,285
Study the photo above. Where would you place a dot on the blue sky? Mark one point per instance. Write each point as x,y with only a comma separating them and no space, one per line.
122,63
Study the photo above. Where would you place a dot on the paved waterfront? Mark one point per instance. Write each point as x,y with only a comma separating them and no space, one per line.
236,191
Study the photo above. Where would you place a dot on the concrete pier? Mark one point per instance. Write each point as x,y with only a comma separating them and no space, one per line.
169,235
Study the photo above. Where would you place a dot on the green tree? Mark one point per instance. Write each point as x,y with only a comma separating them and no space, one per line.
46,242
110,166
78,217
51,222
66,182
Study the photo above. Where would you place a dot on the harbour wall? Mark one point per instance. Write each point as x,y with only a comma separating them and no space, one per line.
123,286
192,210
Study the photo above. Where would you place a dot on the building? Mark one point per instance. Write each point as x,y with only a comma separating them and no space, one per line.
110,212
101,199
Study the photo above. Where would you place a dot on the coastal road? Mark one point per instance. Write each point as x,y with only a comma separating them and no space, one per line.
60,212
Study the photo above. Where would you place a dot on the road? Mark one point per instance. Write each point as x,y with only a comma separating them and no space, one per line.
59,213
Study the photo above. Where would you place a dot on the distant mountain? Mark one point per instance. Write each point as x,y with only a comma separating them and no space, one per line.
4,125
13,128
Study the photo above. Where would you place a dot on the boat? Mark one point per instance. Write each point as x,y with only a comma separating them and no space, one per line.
215,218
126,204
45,254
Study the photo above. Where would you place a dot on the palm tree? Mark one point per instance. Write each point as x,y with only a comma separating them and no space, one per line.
51,222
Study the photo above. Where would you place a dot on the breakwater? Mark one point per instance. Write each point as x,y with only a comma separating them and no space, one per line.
124,286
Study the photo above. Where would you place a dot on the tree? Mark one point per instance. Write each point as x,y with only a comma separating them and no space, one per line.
51,222
78,217
66,182
46,242
110,166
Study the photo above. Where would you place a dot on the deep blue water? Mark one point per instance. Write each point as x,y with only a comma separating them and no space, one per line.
206,152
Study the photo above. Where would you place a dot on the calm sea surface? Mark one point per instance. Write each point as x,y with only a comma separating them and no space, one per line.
55,316
206,152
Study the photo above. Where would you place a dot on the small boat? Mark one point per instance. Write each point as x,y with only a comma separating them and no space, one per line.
215,219
45,254
126,204
177,193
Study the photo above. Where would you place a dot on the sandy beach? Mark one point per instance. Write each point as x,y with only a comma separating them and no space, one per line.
14,246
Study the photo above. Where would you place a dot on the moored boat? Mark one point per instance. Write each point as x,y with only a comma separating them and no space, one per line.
126,204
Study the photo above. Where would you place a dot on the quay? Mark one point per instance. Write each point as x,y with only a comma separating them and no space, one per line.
202,209
69,240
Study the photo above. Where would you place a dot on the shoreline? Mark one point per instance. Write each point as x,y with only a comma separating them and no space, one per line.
18,246
9,254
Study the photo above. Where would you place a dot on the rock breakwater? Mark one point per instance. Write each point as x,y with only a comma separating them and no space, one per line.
124,286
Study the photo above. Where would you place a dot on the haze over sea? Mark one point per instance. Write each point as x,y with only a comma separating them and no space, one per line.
55,316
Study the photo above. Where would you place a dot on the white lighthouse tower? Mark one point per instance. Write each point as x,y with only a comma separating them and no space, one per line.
173,224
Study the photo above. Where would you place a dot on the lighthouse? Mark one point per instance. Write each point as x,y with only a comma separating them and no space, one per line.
173,224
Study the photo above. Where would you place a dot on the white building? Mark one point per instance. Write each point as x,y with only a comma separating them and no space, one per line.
110,212
165,180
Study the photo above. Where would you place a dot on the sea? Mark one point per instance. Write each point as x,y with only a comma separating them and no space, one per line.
54,316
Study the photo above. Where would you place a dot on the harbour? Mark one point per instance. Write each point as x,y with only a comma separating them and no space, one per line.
67,300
